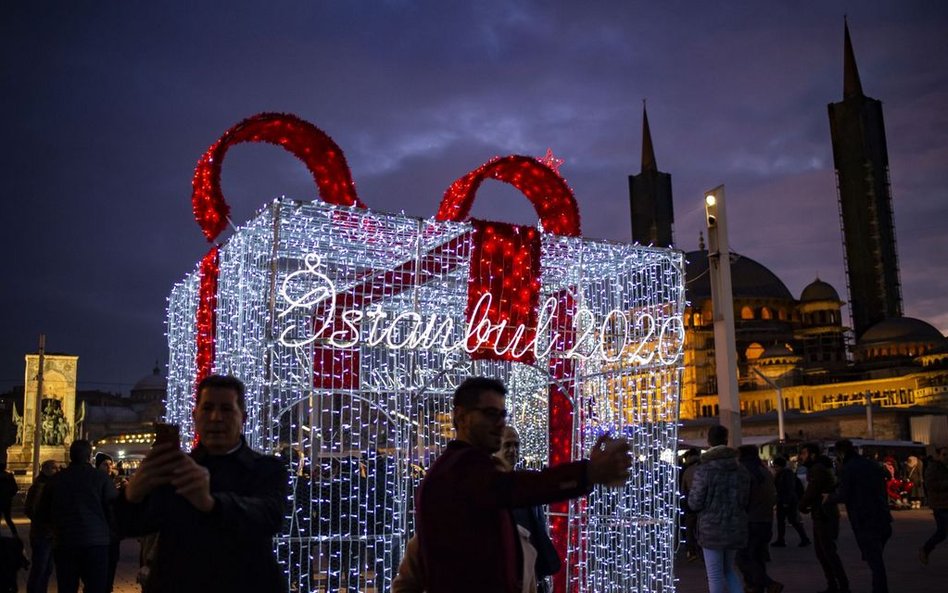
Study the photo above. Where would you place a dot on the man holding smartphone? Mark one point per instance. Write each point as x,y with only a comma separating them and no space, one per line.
467,539
216,510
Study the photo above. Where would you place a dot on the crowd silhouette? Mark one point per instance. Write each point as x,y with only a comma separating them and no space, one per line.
731,499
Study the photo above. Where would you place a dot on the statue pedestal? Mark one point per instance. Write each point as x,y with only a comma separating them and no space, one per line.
20,462
59,452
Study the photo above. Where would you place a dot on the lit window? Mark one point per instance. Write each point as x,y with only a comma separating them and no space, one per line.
754,351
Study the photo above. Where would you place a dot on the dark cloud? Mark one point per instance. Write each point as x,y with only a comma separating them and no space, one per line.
108,105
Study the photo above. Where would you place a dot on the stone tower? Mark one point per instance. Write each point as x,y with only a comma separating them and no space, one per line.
650,197
861,161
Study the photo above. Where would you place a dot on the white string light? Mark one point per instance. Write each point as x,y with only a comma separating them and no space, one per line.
348,328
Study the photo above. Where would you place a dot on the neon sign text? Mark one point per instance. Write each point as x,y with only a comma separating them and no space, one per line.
637,336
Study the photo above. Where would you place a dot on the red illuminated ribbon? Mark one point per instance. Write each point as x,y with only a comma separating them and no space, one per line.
547,191
321,155
506,262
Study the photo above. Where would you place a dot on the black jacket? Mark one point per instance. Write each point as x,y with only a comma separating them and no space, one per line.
75,502
819,481
38,527
533,519
788,487
936,482
862,488
229,549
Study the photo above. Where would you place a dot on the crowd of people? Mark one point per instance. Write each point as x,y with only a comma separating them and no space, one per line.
479,523
207,519
479,520
731,498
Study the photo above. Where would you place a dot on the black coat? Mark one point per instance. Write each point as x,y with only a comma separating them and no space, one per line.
533,519
229,549
788,487
75,502
820,481
862,488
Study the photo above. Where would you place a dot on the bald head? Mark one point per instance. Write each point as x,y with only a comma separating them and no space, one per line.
510,447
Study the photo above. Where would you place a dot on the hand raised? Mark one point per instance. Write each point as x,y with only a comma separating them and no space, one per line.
609,461
193,482
156,469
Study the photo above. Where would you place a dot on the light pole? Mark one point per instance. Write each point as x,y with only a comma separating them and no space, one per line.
870,430
722,303
781,433
37,411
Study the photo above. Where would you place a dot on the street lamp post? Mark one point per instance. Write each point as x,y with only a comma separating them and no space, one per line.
722,302
781,433
37,410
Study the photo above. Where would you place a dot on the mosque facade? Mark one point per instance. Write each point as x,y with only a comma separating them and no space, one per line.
827,371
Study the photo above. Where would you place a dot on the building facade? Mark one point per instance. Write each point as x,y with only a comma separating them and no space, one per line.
827,372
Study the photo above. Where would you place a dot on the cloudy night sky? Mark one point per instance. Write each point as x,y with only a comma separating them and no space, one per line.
108,105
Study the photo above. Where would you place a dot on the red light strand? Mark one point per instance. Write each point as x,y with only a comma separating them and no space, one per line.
207,313
551,197
321,155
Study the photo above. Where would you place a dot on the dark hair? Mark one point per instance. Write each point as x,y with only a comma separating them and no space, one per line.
717,435
101,458
780,461
80,451
749,457
844,448
469,392
223,382
692,452
813,448
748,452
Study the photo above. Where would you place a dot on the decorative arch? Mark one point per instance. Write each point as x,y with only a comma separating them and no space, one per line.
551,197
321,155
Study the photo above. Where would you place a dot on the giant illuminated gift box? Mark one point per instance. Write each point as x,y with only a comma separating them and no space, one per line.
351,328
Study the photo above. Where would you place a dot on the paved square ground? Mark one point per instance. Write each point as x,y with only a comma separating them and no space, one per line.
795,567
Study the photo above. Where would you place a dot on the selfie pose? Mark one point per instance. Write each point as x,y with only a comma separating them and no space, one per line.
216,510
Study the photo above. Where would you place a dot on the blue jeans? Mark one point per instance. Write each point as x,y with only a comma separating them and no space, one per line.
41,564
720,567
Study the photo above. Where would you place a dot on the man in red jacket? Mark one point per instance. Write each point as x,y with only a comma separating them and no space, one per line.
467,535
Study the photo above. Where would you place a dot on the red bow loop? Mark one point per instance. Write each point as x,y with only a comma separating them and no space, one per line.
321,155
551,197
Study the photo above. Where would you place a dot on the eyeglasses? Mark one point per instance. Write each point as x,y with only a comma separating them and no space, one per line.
494,414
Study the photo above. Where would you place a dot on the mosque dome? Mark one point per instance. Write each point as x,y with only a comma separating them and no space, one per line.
900,330
819,291
749,279
150,385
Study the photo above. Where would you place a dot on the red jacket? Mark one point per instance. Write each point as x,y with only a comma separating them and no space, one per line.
467,535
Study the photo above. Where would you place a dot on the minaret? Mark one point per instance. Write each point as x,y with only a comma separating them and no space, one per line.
865,203
650,197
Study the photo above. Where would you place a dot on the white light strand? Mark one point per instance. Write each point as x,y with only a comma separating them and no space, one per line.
359,416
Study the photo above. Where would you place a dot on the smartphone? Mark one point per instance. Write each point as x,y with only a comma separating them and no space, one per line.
167,433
